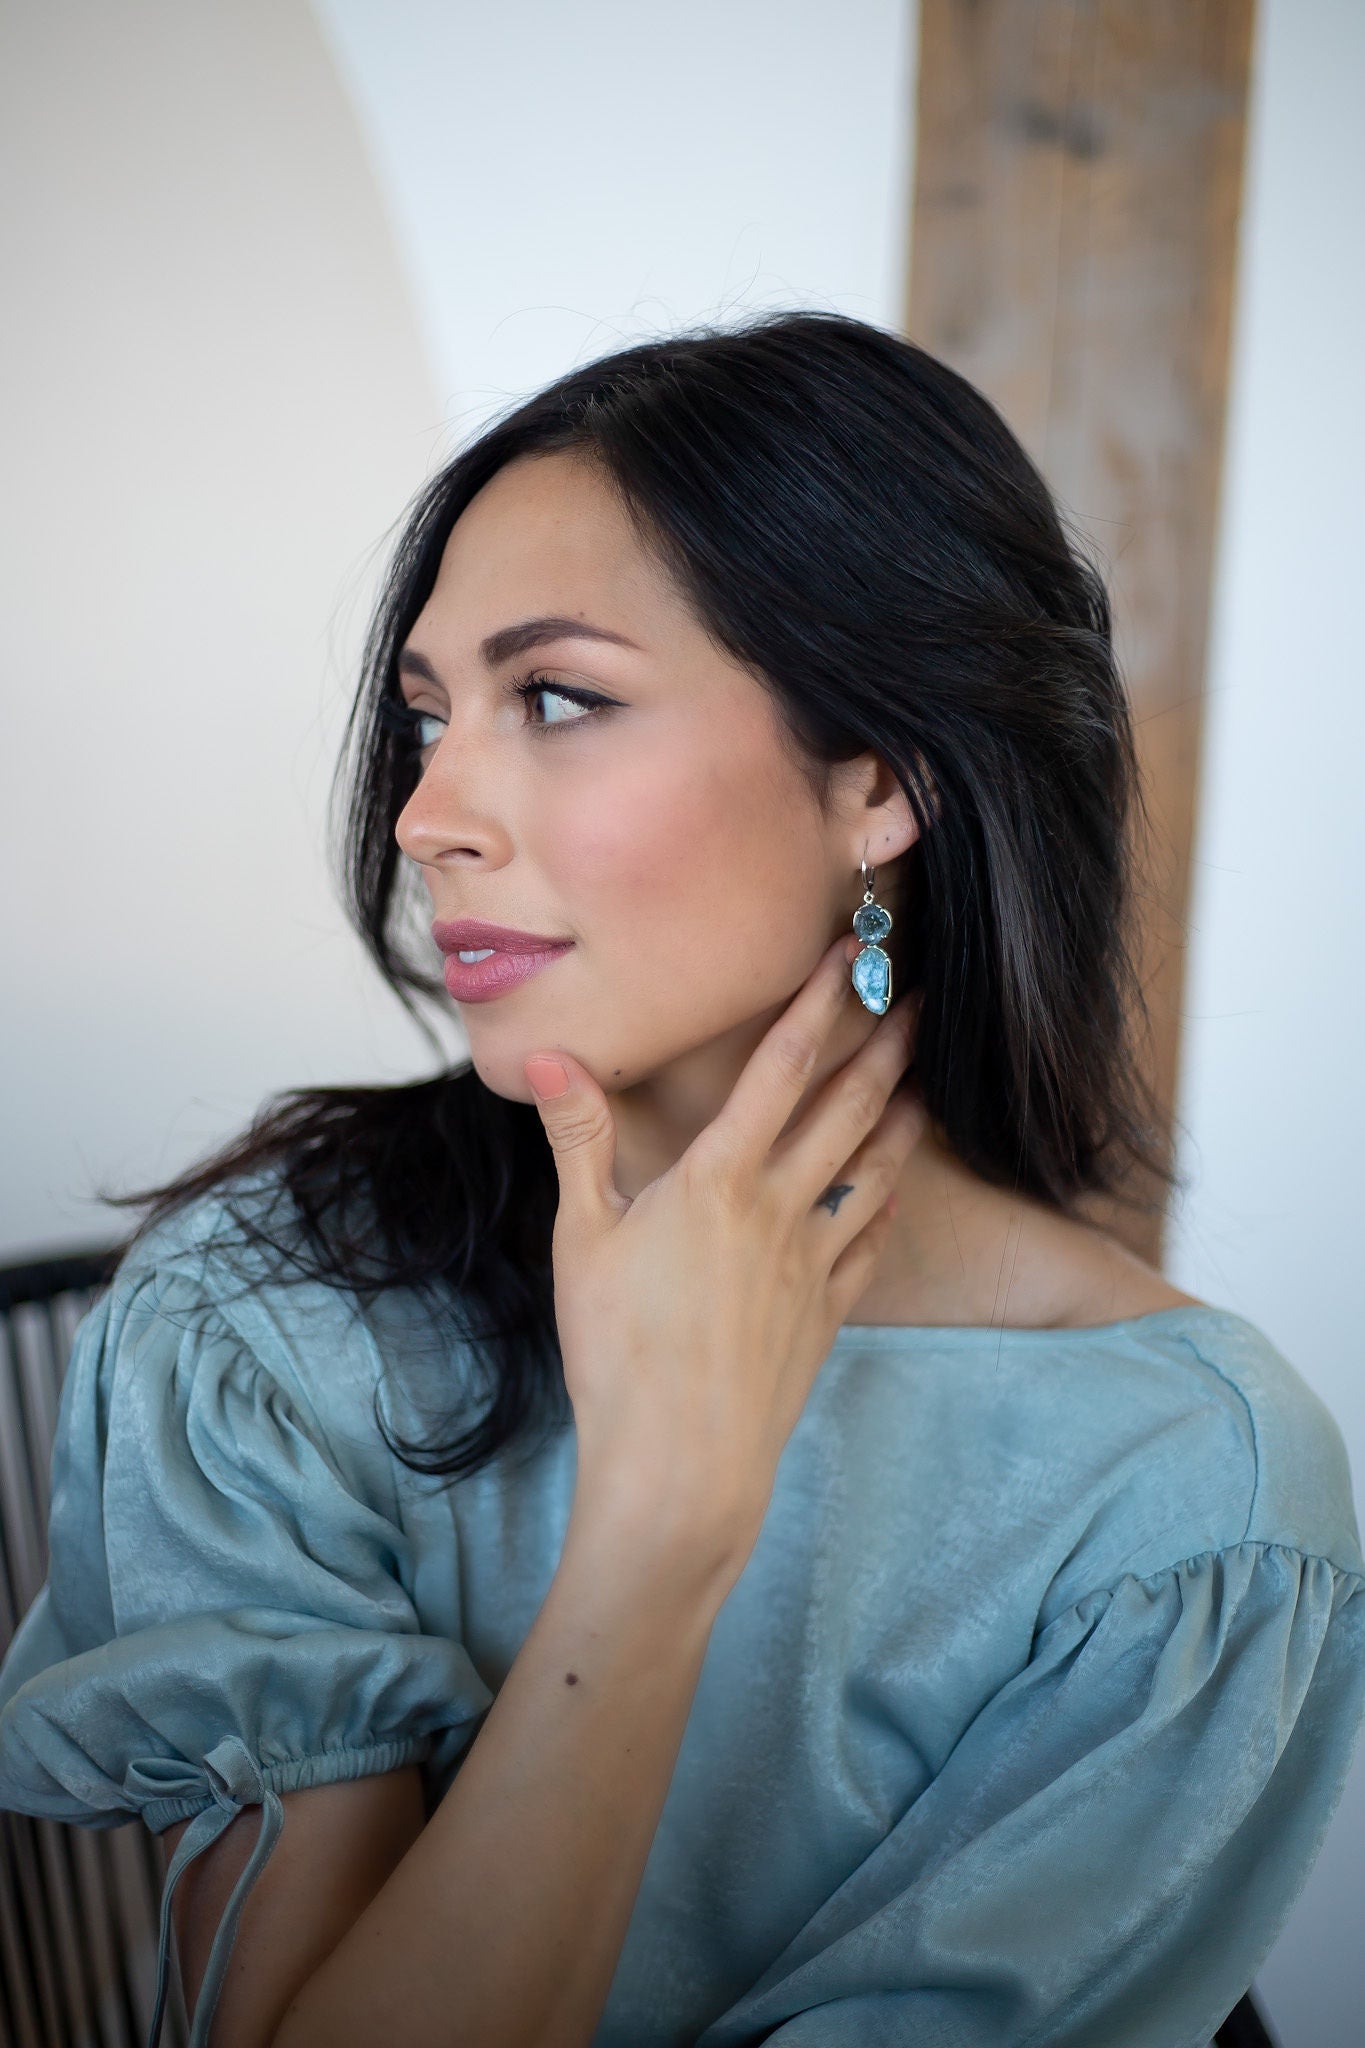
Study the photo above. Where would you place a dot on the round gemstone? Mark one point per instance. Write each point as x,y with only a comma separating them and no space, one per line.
870,921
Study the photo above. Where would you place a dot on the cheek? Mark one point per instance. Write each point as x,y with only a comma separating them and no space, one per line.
682,850
645,840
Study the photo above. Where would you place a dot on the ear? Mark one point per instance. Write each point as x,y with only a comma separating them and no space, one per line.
929,786
876,810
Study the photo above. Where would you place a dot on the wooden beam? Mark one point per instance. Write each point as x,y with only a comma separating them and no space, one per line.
1077,190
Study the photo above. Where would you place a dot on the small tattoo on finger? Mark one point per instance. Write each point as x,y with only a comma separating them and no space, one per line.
832,1197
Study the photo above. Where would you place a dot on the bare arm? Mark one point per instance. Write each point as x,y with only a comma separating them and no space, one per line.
503,1924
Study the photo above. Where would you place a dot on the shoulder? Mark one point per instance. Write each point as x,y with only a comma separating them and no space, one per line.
1302,1493
218,1313
1188,1432
1268,1448
1078,1276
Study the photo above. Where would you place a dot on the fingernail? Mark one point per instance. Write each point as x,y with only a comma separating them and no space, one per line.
547,1078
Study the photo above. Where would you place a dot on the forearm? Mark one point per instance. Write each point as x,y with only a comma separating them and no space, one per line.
503,1925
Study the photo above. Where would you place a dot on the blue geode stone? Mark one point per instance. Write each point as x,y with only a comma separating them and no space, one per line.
870,921
872,978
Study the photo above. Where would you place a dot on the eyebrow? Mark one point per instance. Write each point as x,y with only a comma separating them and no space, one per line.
510,641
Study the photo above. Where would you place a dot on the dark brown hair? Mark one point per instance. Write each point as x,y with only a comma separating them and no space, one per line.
856,523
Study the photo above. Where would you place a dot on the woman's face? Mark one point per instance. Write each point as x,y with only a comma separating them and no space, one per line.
671,837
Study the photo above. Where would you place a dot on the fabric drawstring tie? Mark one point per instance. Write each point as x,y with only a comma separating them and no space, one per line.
236,1782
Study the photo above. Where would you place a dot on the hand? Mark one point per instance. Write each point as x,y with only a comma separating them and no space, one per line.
693,1320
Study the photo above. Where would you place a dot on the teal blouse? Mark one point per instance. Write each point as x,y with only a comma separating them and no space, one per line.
1023,1724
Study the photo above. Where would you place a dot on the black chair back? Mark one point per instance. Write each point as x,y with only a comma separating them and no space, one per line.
79,1907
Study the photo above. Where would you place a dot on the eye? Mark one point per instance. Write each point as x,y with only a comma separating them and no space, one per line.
396,716
539,686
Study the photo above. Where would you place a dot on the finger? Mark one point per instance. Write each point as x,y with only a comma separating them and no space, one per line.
778,1072
870,1176
582,1133
853,1270
851,1105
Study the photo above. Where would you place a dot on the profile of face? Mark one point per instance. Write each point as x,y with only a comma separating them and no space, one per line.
670,834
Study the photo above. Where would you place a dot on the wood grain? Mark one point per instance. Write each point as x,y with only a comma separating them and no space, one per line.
1073,252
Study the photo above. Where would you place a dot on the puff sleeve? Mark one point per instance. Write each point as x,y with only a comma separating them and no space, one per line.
225,1616
1116,1839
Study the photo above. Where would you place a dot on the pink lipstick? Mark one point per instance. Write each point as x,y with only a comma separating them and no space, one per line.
478,981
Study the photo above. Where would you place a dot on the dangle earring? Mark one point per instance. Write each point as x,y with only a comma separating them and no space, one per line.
872,967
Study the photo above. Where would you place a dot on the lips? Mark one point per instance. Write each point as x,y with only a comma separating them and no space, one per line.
480,981
467,934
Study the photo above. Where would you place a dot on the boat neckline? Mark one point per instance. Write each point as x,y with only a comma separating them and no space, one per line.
851,1333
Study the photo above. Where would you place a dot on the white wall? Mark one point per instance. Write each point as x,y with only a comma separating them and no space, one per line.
212,403
565,180
1271,1091
253,312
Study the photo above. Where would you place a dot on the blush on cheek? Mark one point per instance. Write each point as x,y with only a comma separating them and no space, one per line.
683,835
628,858
694,849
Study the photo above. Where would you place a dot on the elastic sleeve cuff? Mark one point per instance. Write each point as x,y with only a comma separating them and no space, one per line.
237,1780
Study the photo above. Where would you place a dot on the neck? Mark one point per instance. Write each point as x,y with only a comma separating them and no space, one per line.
960,1250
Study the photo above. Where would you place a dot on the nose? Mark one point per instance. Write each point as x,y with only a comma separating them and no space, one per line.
442,824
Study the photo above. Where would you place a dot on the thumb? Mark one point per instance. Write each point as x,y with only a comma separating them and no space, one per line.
582,1134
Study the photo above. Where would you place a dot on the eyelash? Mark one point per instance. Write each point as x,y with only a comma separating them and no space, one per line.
397,716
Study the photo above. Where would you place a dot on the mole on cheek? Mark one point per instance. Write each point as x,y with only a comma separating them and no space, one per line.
571,1678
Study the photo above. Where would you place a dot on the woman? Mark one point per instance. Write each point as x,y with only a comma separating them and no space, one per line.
830,1625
